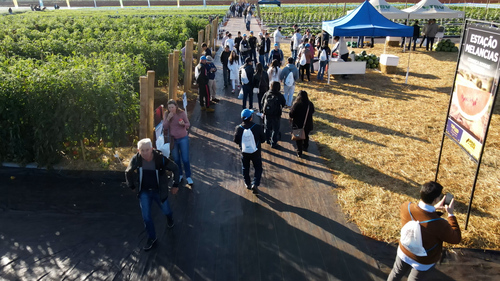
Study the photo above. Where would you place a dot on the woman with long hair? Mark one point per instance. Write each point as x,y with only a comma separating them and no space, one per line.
302,109
234,67
260,81
177,123
274,72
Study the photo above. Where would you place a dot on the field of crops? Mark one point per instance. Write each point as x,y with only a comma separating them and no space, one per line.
67,76
312,17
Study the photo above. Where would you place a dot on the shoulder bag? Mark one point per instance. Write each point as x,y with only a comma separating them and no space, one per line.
299,133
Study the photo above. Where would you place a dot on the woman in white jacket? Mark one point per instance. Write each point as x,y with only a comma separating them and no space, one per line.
274,72
234,67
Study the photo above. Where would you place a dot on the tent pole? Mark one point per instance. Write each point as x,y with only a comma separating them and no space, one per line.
408,68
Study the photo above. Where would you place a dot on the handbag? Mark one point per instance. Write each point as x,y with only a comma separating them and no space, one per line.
299,133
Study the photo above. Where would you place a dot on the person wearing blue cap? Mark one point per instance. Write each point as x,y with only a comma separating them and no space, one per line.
201,75
276,54
249,137
244,48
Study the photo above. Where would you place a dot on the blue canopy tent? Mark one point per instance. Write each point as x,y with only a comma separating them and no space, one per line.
365,20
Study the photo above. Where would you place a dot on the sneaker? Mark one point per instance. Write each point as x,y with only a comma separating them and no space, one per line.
209,109
170,221
215,100
248,186
255,189
299,154
203,108
232,91
189,180
149,244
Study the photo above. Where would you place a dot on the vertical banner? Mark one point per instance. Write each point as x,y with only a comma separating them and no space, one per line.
121,3
67,3
15,3
475,87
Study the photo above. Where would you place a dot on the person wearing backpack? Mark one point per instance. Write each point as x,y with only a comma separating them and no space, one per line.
146,171
434,230
246,79
201,75
324,56
260,81
289,75
273,102
249,137
305,56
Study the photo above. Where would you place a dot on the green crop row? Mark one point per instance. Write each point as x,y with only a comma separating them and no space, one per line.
313,16
68,78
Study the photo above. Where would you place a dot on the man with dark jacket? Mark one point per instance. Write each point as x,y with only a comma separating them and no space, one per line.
252,41
150,166
237,42
246,79
243,139
434,231
201,75
264,49
224,58
244,48
416,34
273,102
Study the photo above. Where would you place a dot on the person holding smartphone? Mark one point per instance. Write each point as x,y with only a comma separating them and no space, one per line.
176,122
434,231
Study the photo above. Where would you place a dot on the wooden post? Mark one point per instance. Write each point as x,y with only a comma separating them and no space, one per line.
144,99
214,35
201,35
188,65
207,35
151,103
171,83
176,73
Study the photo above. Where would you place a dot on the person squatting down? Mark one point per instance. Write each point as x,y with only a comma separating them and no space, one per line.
146,171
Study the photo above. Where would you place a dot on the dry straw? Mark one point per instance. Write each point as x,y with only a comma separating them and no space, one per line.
381,137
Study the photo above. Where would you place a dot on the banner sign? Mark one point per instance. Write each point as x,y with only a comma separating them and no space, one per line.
475,87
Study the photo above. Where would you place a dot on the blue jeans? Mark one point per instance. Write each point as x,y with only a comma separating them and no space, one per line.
248,94
181,152
256,159
146,197
294,55
262,60
321,71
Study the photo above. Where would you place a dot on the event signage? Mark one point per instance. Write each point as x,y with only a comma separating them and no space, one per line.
475,87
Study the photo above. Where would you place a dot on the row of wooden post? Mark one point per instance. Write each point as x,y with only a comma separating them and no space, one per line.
147,83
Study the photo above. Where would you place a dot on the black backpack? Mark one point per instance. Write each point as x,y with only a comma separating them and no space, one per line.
272,105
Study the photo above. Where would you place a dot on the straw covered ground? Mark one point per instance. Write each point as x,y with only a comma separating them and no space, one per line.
381,139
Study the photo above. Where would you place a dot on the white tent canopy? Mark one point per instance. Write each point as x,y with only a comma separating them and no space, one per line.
432,9
388,10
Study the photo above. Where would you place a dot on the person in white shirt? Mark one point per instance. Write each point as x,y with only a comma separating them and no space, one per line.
224,39
341,48
278,37
230,42
296,40
274,72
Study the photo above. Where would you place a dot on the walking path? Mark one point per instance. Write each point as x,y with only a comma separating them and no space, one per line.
86,226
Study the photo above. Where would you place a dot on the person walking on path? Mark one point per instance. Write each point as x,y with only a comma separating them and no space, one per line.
249,136
416,34
432,30
244,48
264,49
201,75
305,57
237,42
278,37
276,54
234,68
302,110
150,165
296,40
324,56
289,75
212,87
260,81
224,58
230,42
274,72
246,79
175,120
252,41
313,51
273,102
434,230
